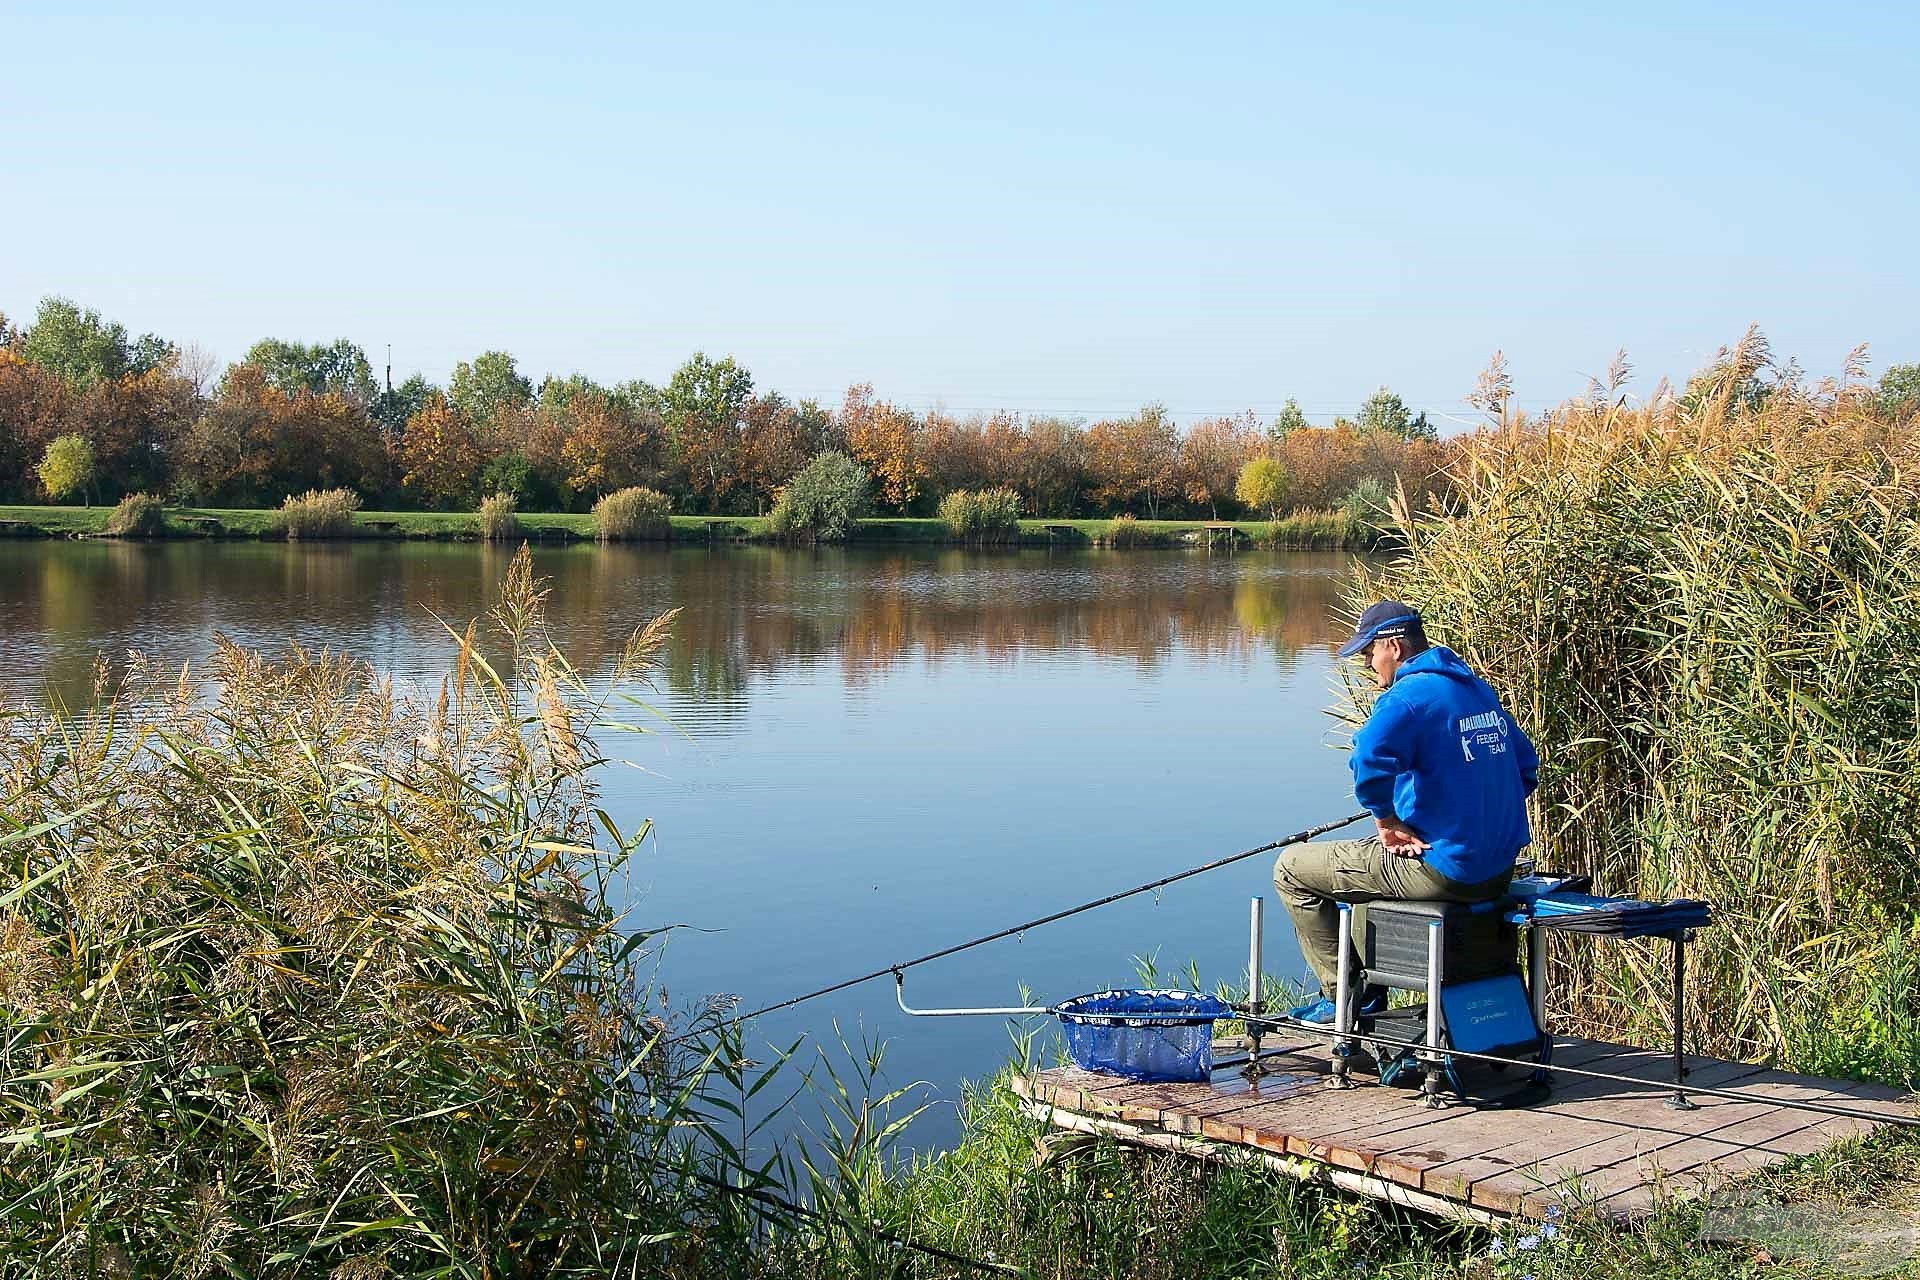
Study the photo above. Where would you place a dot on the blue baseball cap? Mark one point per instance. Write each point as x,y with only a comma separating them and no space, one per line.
1381,621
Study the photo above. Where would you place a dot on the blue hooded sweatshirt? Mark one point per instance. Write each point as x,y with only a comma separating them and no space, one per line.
1440,754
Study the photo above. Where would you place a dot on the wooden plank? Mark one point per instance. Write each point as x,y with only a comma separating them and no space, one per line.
1616,1144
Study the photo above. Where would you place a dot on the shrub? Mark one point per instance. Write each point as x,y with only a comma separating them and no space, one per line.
139,515
823,500
990,515
1125,532
499,518
1368,502
631,514
317,513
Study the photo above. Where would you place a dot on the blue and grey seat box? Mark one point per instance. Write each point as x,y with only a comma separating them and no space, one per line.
1476,942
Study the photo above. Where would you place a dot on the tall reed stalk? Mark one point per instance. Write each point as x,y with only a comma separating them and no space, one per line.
298,978
1705,609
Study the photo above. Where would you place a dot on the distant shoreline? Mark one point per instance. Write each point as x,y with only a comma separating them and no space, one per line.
1302,531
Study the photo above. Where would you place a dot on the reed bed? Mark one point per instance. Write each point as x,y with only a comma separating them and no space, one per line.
1705,608
297,978
317,513
499,518
633,514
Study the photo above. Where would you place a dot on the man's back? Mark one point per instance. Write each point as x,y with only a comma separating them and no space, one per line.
1442,754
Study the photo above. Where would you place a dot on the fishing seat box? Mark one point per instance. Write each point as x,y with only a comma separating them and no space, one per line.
1391,937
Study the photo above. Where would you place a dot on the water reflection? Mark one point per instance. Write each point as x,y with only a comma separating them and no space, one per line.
885,750
748,612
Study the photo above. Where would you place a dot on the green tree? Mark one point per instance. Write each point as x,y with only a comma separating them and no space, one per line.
1263,485
67,467
1900,391
704,404
393,407
85,350
1290,420
490,384
1386,412
339,367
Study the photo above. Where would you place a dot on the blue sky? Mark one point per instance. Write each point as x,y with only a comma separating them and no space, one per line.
1059,208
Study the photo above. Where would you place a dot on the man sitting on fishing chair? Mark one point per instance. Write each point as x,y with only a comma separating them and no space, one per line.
1444,771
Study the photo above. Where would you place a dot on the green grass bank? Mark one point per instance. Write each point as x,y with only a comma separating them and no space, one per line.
1310,530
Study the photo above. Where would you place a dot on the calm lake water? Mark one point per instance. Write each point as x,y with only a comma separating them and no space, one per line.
871,753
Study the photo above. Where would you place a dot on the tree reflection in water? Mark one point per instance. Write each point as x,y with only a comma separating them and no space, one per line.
748,613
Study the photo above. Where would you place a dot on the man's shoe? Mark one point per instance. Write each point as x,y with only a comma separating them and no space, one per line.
1319,1011
1372,1003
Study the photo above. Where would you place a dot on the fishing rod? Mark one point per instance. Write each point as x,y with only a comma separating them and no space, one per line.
1297,837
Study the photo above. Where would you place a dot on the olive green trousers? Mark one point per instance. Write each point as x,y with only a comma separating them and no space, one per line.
1312,878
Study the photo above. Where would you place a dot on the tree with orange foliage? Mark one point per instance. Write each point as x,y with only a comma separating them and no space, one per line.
33,404
608,445
887,441
777,440
1211,456
440,455
1134,460
1050,465
256,443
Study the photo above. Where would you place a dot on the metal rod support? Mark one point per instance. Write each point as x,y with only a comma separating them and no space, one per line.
1436,958
1679,1101
1343,995
900,995
1254,959
1537,975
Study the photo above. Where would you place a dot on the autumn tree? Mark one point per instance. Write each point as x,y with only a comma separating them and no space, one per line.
1133,461
256,443
777,440
886,440
440,456
1211,456
608,444
1051,465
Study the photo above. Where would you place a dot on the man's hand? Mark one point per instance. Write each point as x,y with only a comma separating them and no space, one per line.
1399,838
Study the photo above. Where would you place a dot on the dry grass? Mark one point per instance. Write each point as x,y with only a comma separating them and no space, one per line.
298,978
1704,607
318,513
499,518
628,514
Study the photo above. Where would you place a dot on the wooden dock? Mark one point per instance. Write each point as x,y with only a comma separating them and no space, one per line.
1614,1147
